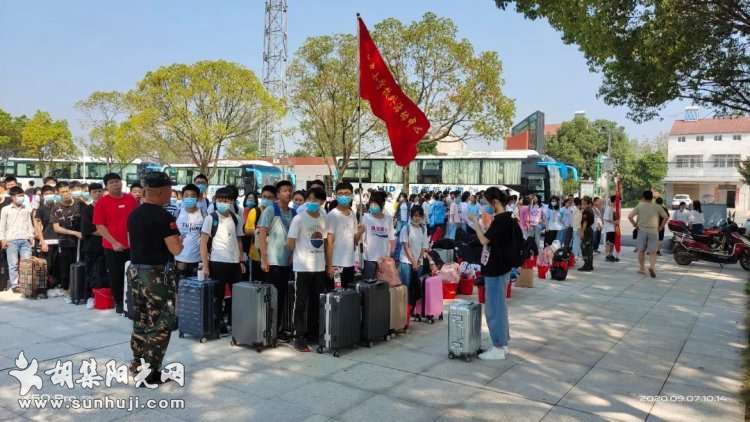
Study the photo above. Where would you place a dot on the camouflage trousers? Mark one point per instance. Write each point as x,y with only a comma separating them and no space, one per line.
153,301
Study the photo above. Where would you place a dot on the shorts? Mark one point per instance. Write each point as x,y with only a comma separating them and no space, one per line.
647,241
610,237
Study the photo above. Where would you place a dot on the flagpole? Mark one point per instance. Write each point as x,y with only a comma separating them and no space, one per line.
359,131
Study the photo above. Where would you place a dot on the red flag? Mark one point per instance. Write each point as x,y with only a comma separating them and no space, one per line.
405,122
618,211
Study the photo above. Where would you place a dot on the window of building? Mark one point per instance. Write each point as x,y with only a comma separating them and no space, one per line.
699,138
680,139
689,161
726,160
717,137
736,137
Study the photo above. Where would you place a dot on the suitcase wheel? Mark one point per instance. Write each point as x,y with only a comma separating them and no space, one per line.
370,344
204,340
467,358
319,349
451,355
181,335
336,354
258,349
386,337
233,342
431,320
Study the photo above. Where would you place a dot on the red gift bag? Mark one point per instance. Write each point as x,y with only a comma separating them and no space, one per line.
450,290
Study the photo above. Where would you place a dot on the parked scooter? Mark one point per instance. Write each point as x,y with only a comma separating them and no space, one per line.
726,245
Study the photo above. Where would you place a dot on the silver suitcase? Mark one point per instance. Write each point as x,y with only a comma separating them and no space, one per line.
254,315
464,330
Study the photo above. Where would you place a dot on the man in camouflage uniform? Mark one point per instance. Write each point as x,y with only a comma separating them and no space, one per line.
154,241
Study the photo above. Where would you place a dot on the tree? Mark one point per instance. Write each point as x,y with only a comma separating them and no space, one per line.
299,152
459,90
197,110
46,139
10,134
653,51
744,170
109,138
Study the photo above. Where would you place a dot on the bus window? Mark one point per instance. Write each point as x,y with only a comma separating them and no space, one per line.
233,176
393,173
350,174
430,172
377,171
7,168
460,172
27,169
96,171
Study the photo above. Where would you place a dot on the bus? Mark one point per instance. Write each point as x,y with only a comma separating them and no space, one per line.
85,169
247,175
520,171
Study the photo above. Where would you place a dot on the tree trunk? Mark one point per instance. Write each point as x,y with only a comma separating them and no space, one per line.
405,179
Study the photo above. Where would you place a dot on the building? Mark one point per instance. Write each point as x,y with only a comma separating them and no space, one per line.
703,156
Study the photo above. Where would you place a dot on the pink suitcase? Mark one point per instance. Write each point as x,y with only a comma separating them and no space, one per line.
431,304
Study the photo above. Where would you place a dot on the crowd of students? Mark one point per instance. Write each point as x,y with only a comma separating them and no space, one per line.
279,234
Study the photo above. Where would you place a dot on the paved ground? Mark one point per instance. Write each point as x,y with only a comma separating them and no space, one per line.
586,349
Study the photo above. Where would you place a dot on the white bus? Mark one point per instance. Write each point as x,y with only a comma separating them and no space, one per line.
521,171
84,170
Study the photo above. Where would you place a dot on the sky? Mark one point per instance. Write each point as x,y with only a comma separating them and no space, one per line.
54,53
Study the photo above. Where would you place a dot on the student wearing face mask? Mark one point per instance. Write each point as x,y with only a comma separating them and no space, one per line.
190,223
342,238
45,232
415,242
552,221
223,259
16,233
376,230
174,205
297,199
66,221
251,215
306,240
201,181
91,244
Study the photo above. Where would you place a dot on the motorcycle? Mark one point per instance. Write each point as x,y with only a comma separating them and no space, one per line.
725,245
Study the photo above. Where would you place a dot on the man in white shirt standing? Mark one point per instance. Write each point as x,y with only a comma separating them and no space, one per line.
682,214
342,236
190,223
16,233
307,237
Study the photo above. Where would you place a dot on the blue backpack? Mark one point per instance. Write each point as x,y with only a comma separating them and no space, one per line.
437,213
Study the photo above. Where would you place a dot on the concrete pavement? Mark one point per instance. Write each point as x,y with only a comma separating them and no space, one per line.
609,345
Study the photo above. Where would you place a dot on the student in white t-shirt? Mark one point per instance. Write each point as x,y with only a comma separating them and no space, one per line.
306,240
342,235
377,233
414,244
224,260
190,224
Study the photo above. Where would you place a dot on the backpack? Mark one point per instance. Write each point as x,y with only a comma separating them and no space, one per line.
277,213
514,253
437,213
215,227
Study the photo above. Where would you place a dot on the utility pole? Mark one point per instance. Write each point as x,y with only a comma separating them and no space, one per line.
275,55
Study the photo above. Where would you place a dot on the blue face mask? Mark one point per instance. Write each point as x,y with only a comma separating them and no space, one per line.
313,207
76,194
173,201
86,195
490,209
48,199
265,203
250,203
202,187
190,202
58,198
344,200
222,207
374,209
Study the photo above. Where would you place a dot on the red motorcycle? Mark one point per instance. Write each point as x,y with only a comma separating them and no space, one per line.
726,245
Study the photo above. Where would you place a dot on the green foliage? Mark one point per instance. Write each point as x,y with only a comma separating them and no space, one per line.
744,170
197,110
10,133
46,139
110,138
653,51
459,90
299,152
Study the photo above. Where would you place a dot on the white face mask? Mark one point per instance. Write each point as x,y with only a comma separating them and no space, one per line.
18,200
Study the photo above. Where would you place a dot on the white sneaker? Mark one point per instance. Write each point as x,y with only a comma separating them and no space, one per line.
506,350
493,354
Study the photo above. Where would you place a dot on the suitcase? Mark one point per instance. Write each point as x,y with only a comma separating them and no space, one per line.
4,277
376,310
127,296
464,330
32,277
79,292
399,309
340,321
446,255
198,308
430,305
287,315
254,315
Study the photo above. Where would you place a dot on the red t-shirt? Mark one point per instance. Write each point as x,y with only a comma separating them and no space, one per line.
113,213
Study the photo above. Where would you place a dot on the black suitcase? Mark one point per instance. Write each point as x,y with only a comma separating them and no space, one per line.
4,277
376,310
198,308
78,290
287,312
340,321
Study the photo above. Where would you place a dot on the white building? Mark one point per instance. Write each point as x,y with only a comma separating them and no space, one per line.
703,155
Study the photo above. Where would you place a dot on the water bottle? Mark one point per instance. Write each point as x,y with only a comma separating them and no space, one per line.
337,278
201,275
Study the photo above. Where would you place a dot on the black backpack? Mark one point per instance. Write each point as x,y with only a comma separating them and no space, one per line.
514,253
